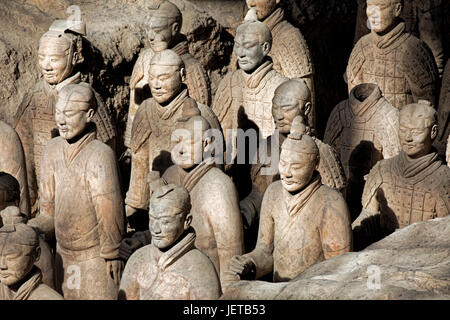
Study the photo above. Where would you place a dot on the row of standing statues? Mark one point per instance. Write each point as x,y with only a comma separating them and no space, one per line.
234,185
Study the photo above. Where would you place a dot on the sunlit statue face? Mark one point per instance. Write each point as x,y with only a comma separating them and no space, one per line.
263,8
382,14
296,169
165,82
161,32
72,117
166,225
249,48
56,60
16,261
416,134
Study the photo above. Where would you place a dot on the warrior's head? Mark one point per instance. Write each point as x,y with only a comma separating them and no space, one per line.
418,128
263,8
9,191
191,141
74,110
298,159
383,14
166,76
19,247
170,216
291,99
164,26
60,50
252,44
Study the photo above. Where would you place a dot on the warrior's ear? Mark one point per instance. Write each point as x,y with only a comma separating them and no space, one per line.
175,28
37,253
266,48
398,9
183,74
307,108
434,132
90,114
188,221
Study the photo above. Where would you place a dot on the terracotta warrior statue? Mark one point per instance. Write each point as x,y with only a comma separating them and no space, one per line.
10,199
81,203
411,187
12,161
60,54
292,100
154,123
248,91
402,65
423,19
443,112
215,206
289,52
164,28
20,279
171,267
302,221
363,130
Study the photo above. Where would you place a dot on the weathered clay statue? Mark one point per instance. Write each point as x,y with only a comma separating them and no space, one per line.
81,202
289,52
155,122
447,152
12,161
402,65
60,54
215,206
443,112
164,33
302,221
248,91
10,195
20,279
363,130
171,267
413,186
292,99
423,19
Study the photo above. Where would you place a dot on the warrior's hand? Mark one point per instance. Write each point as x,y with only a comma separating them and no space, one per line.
126,156
241,265
114,269
128,247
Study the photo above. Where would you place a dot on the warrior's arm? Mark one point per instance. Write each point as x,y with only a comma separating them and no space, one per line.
335,231
138,191
129,285
107,200
262,254
45,220
226,221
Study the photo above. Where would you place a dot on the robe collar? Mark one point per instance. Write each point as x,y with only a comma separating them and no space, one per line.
52,91
364,108
389,38
275,18
295,203
415,170
72,150
169,110
190,179
166,259
254,79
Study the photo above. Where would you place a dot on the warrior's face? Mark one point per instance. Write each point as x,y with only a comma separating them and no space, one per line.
166,224
285,109
382,13
72,117
56,59
188,150
416,135
263,8
249,49
16,261
165,82
296,169
161,32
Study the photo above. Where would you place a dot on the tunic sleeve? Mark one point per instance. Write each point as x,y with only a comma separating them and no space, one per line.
129,285
335,228
106,197
262,254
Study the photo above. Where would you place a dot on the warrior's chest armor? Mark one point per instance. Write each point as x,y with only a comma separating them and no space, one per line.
44,125
403,203
360,149
257,102
386,68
